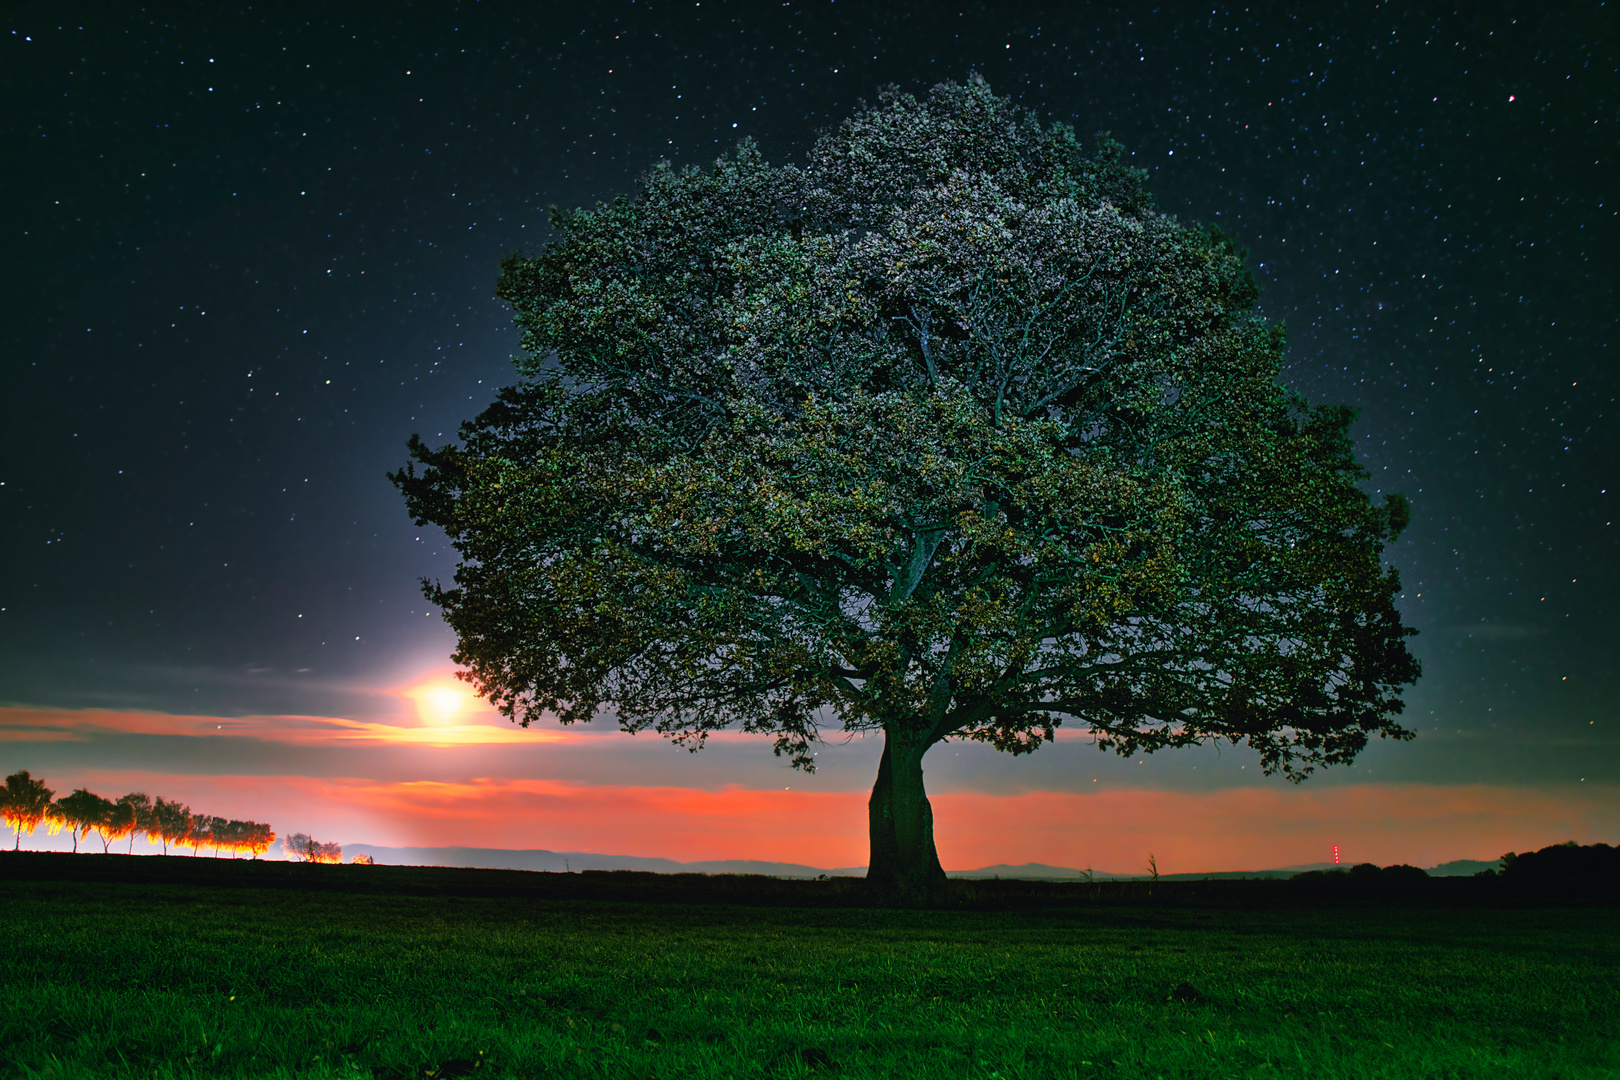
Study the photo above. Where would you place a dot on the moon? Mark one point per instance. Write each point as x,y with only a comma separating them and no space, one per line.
440,703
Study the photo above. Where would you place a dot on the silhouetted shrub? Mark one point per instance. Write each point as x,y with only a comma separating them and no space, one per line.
1566,865
1365,877
304,847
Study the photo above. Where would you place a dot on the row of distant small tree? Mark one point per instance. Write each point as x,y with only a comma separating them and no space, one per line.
26,803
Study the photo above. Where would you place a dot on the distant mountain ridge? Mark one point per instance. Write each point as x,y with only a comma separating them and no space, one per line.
565,861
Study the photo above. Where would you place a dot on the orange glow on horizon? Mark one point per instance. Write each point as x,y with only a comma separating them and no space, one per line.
1234,829
1259,827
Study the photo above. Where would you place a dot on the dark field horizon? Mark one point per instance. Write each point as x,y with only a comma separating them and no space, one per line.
222,968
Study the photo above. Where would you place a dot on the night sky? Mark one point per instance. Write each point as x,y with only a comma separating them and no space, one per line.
248,253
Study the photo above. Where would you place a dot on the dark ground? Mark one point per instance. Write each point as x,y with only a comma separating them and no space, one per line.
182,966
1389,887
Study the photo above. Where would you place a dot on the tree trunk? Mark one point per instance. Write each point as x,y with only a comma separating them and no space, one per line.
903,861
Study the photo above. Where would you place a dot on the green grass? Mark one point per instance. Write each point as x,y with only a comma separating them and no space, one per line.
154,980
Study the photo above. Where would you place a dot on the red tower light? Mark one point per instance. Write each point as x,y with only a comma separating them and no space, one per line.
1335,854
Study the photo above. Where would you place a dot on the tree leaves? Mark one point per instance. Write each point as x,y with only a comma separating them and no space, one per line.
947,433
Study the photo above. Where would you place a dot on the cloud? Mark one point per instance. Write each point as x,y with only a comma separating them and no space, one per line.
22,724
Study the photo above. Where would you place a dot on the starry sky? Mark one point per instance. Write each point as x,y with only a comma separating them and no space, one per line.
249,252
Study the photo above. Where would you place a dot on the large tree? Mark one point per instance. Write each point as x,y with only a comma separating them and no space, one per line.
947,434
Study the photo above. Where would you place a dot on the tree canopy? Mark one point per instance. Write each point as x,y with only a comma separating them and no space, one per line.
168,822
134,815
948,434
24,803
81,811
302,846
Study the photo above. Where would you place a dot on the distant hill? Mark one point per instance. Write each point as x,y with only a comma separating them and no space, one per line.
1463,868
1043,872
1030,872
561,861
1273,872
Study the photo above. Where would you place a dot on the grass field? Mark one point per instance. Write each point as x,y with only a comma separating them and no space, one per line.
147,979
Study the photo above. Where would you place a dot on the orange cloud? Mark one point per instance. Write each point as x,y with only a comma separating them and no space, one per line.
19,724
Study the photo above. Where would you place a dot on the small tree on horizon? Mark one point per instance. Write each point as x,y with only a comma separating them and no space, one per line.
259,837
945,435
304,847
25,802
117,820
80,811
218,833
196,837
135,815
170,822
